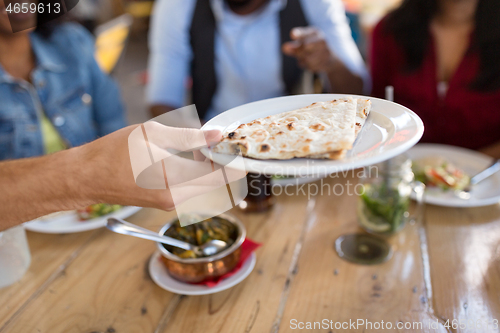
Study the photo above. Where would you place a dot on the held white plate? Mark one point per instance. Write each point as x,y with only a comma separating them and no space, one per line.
160,276
390,130
68,222
472,162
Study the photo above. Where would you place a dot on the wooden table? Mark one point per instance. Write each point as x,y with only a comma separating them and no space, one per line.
444,269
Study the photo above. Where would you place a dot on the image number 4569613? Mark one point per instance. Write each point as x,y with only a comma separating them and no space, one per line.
29,14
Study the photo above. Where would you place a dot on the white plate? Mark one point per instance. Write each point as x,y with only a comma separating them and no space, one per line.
160,276
472,162
293,181
68,222
390,130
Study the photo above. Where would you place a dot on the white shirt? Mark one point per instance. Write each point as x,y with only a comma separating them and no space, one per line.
247,50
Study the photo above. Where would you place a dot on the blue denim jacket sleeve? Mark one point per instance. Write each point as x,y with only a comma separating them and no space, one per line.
67,86
107,104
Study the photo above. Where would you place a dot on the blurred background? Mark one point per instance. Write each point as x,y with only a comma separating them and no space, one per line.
121,28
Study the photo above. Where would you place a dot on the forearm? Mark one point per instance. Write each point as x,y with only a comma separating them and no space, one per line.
37,186
342,80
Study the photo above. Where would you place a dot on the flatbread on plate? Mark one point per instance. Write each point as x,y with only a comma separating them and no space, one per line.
363,109
320,130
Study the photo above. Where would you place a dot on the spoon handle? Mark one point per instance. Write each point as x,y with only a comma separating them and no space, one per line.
125,228
486,173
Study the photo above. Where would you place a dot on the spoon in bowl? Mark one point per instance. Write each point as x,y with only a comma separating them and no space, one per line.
125,228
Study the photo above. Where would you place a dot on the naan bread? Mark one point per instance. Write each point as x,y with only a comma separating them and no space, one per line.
362,111
320,130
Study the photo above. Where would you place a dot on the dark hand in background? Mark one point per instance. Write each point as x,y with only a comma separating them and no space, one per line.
310,48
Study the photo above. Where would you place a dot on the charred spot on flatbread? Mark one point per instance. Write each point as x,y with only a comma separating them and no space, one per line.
231,135
333,155
264,148
255,122
289,126
317,127
243,146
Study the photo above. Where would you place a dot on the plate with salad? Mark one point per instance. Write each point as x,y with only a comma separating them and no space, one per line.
447,169
84,219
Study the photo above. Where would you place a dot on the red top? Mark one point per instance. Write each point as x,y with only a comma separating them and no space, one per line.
462,117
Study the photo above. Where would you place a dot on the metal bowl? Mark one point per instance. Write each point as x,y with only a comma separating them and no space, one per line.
206,268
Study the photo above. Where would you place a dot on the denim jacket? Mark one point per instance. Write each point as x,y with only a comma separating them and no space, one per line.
68,86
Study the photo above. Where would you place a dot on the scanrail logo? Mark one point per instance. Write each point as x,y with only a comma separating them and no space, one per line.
165,155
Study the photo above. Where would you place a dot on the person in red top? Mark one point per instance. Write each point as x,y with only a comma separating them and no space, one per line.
443,59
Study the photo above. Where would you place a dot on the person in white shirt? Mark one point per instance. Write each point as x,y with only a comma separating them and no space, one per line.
239,51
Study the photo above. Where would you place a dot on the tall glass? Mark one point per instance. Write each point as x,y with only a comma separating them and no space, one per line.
15,256
382,209
383,206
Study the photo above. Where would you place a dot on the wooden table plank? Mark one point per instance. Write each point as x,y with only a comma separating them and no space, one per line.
105,288
50,254
327,287
464,250
252,305
98,282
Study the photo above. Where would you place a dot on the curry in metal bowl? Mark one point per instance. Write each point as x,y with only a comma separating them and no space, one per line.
185,265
